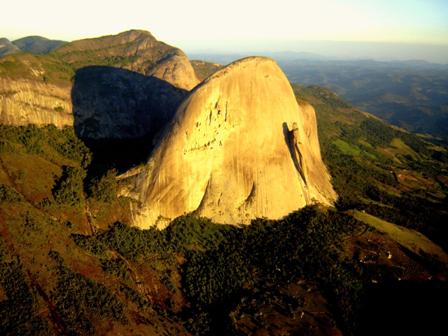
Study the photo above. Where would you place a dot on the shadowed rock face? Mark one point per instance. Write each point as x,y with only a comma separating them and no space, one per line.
111,103
227,155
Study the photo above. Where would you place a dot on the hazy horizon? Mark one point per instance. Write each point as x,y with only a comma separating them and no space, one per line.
380,30
336,50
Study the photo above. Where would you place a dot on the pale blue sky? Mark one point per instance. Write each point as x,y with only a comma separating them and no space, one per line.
229,24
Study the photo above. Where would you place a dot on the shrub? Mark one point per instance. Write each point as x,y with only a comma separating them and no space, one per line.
9,195
105,188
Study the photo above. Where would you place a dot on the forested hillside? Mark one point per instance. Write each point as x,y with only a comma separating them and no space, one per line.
71,265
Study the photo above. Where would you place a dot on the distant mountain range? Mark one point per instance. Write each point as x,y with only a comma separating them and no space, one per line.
7,47
30,44
38,44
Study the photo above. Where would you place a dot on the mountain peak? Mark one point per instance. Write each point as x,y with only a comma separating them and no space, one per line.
137,33
135,50
240,64
37,44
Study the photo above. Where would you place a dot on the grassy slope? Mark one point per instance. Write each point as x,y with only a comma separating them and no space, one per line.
410,239
384,170
204,69
40,68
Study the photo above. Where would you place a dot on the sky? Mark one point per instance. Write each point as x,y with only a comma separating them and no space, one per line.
231,25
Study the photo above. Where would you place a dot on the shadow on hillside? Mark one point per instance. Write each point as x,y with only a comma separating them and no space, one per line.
405,308
119,113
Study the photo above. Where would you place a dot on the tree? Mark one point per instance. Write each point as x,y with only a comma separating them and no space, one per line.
69,188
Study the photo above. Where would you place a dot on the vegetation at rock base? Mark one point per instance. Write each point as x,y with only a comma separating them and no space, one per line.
105,188
219,270
69,263
69,188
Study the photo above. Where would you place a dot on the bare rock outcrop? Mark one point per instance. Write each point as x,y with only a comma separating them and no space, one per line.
229,153
177,70
24,102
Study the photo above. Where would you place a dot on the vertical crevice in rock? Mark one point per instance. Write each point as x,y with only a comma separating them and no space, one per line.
293,143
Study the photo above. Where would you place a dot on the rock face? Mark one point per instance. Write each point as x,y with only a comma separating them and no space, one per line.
35,90
134,50
230,153
176,69
24,102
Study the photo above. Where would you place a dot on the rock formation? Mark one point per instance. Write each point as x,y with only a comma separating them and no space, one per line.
177,70
24,102
120,86
134,50
227,154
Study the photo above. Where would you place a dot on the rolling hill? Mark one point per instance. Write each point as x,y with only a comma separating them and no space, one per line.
6,47
382,169
37,44
411,95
